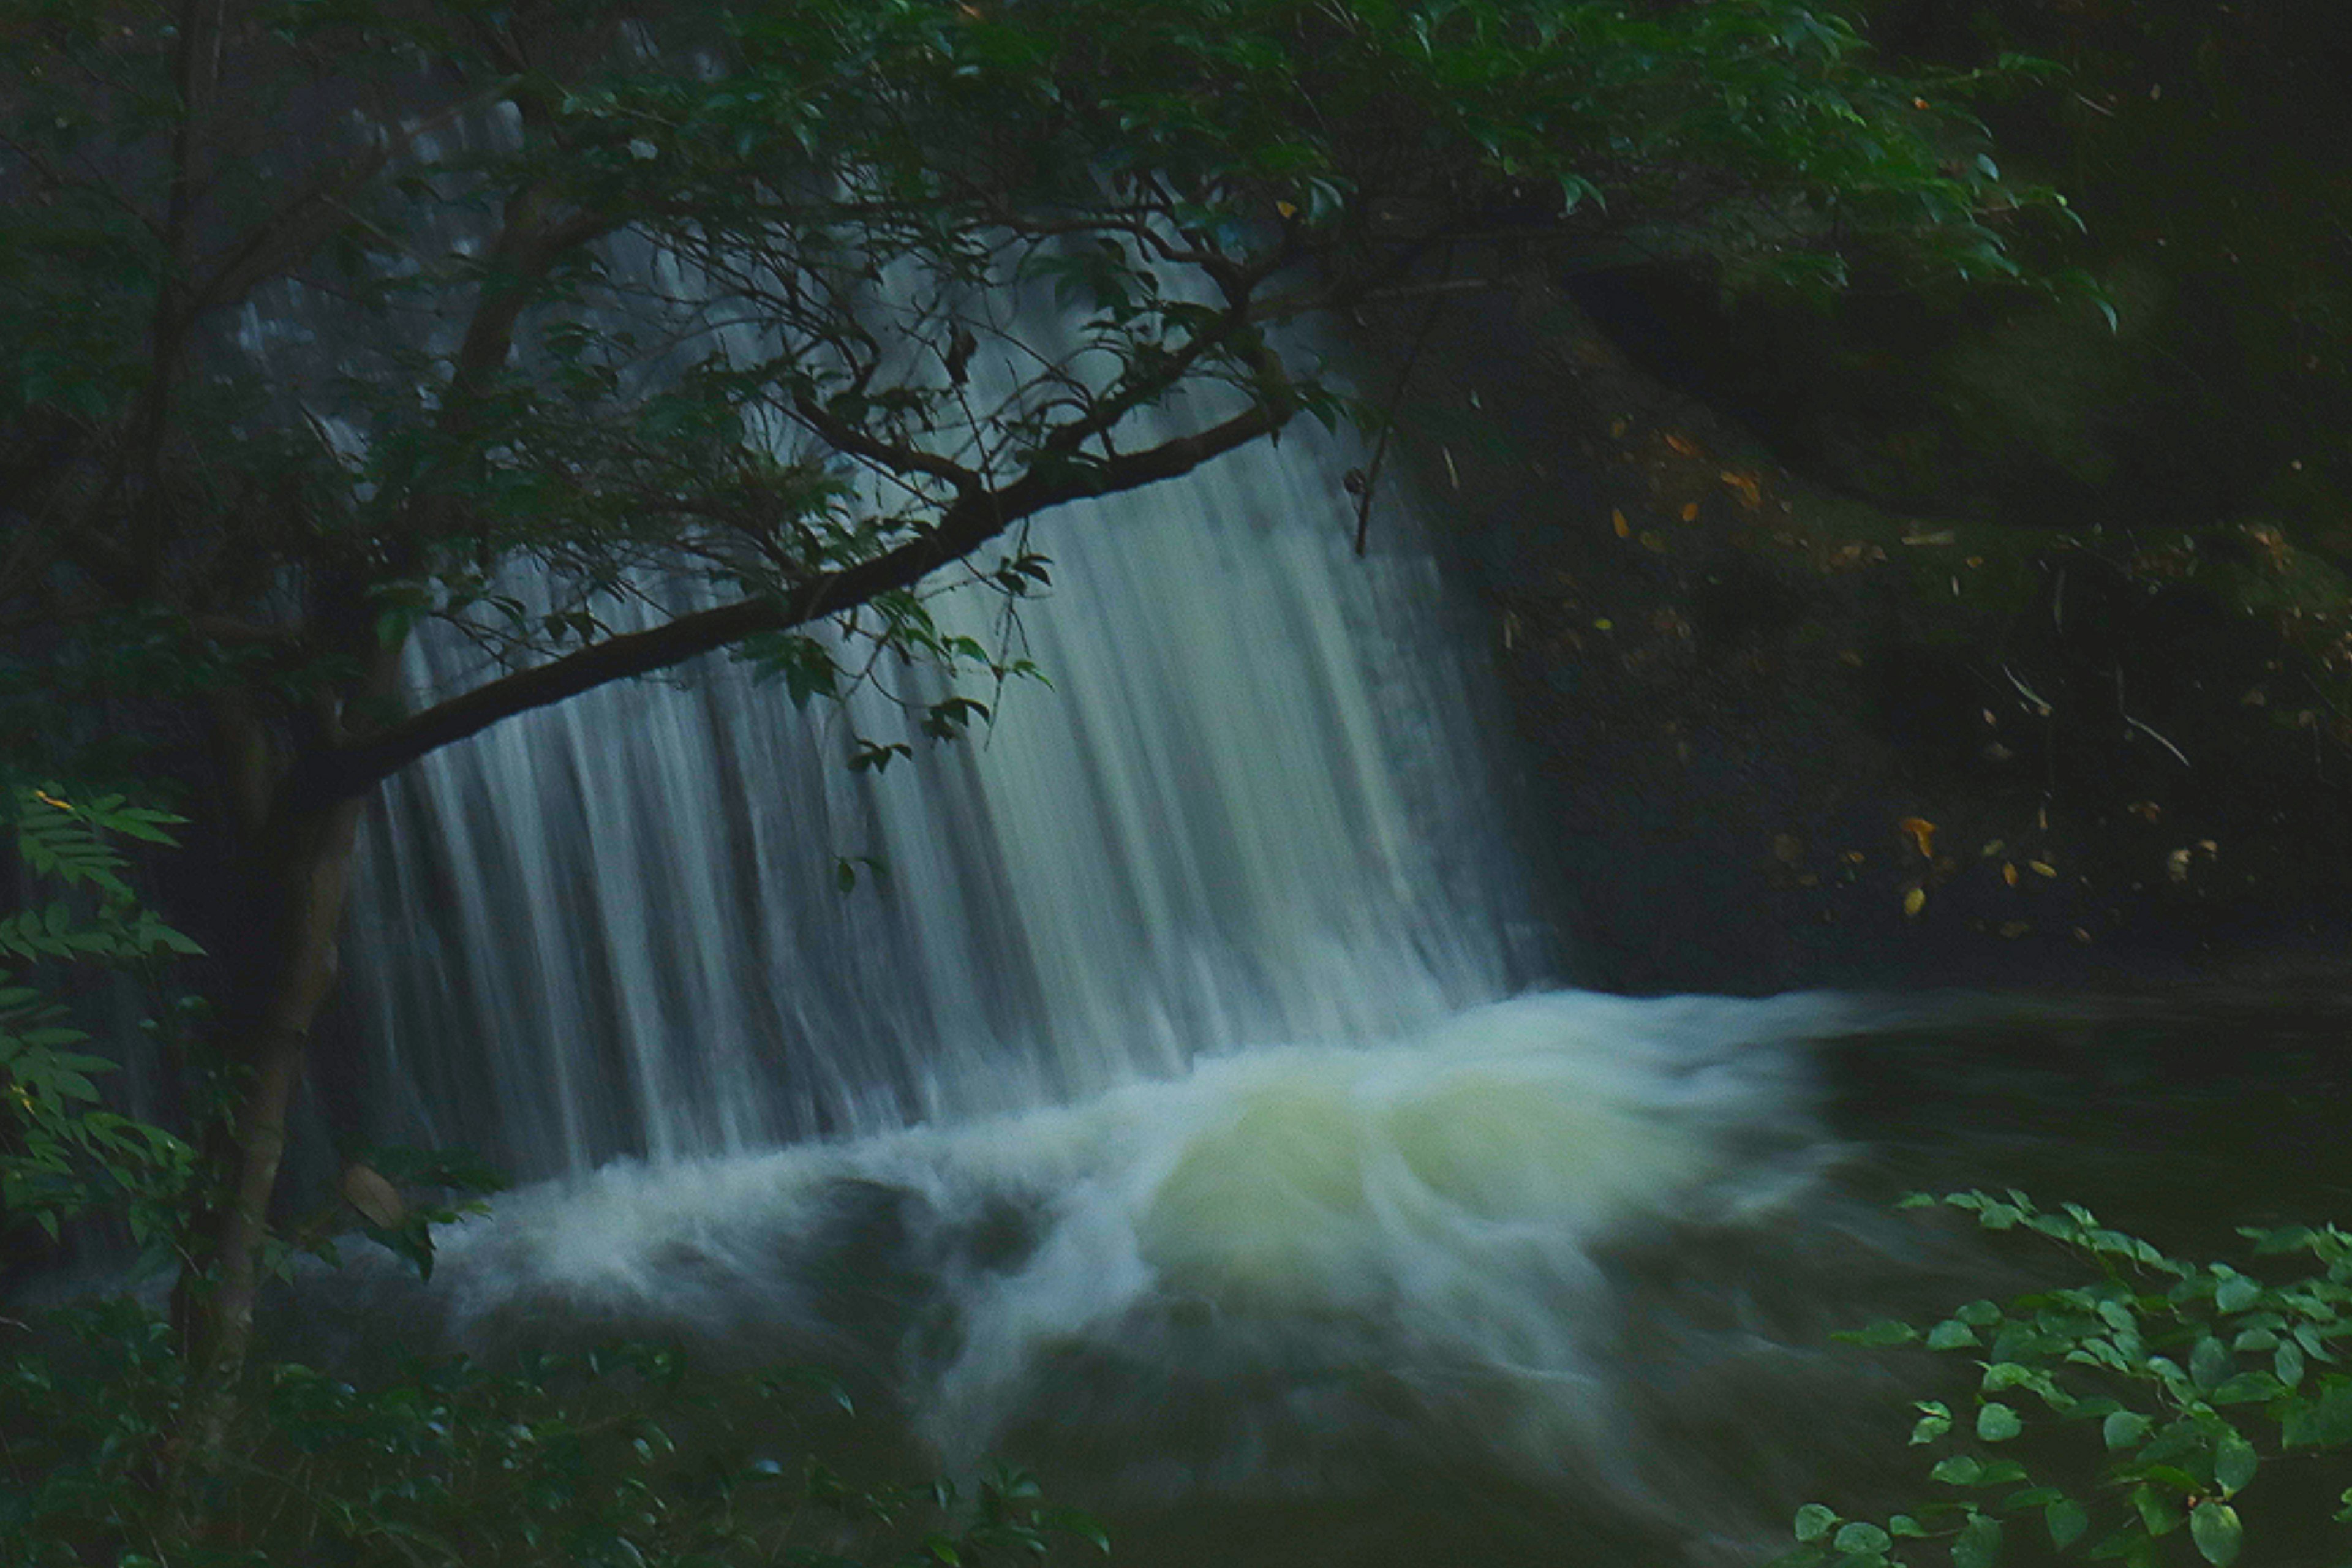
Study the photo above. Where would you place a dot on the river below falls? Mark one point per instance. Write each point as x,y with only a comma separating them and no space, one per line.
1552,1282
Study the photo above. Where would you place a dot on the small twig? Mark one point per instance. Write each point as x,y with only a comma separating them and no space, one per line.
2034,700
1369,478
2159,740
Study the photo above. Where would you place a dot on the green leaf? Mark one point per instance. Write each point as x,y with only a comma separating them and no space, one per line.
1862,1538
2324,1422
2067,1520
1958,1470
2236,1293
1978,1542
2124,1428
2155,1511
2233,1463
1952,1334
2209,1362
1076,1522
1935,1421
1815,1521
1997,1423
2248,1388
2215,1529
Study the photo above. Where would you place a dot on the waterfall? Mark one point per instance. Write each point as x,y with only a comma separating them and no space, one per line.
1161,1114
1253,808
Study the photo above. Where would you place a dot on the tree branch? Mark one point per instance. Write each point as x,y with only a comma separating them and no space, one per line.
845,437
967,525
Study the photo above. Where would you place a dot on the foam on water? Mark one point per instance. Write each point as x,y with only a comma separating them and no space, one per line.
1273,1233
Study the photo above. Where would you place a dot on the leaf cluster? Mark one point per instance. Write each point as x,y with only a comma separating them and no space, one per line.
63,1154
328,321
2124,1417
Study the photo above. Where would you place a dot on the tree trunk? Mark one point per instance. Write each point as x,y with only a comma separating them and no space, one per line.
296,867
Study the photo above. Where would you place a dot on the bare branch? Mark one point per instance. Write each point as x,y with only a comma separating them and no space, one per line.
845,437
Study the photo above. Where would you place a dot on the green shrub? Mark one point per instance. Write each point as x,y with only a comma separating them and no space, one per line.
63,1156
2121,1419
611,1458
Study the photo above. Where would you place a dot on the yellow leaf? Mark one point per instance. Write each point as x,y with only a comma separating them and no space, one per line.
1604,625
1617,520
1914,902
2041,868
1690,512
1653,541
1286,209
1922,832
2009,873
376,1199
1683,445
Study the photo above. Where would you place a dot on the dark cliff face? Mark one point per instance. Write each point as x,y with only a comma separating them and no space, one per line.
1960,638
1780,736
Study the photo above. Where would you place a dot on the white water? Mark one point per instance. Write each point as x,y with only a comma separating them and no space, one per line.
1261,1277
1161,1115
1253,806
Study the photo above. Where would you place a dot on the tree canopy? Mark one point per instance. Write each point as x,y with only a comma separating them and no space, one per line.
321,314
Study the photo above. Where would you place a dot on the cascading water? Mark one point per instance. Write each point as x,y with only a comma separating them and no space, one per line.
1157,1113
1253,808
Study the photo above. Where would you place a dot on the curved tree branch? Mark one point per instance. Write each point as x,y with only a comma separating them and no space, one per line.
967,525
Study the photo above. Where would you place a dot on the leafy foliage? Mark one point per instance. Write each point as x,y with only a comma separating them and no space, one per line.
62,1154
2124,1416
613,1457
781,310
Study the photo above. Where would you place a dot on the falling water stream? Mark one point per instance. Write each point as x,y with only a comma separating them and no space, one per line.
1182,1107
